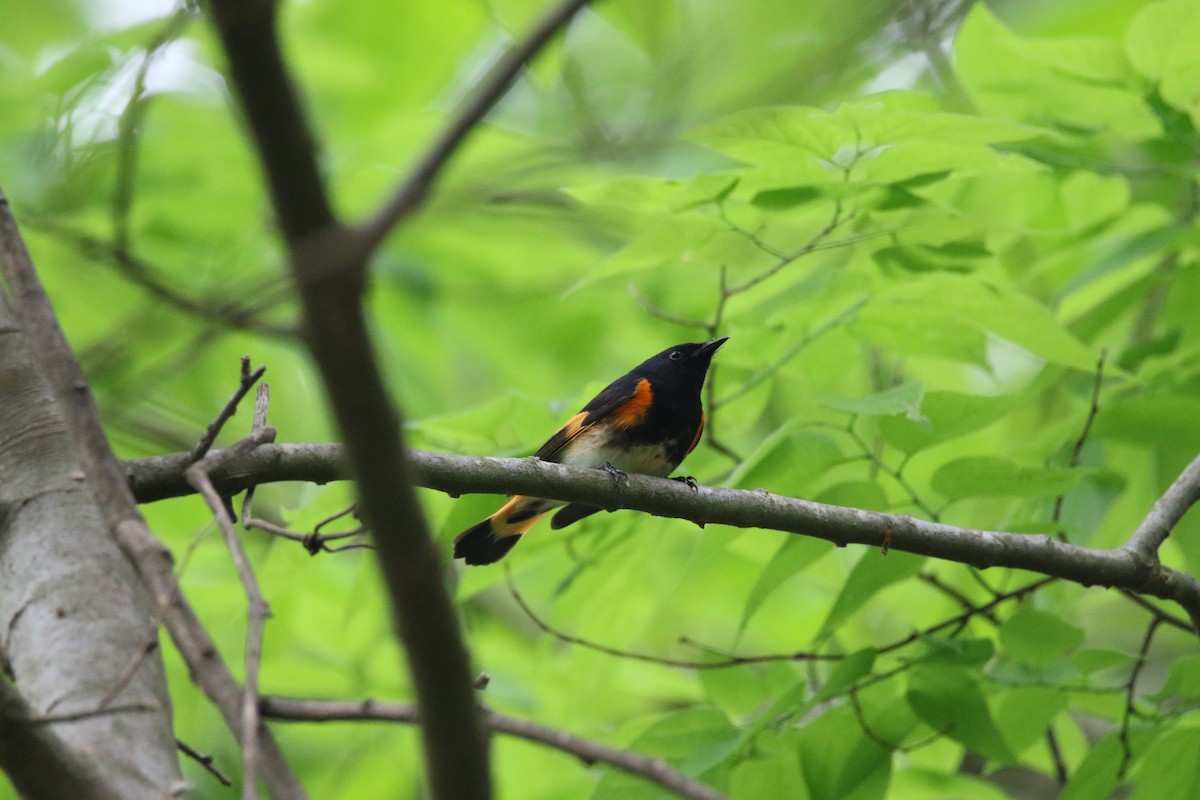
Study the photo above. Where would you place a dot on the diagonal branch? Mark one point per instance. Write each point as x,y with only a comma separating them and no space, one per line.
586,750
328,263
1166,513
415,188
257,611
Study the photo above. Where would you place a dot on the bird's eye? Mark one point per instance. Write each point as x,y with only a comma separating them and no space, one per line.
675,355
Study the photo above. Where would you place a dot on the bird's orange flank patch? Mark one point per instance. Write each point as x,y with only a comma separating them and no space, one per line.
635,408
696,438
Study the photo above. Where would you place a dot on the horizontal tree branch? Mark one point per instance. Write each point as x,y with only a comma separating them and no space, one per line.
1124,567
586,750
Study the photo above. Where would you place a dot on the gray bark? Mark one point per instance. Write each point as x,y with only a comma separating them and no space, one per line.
74,614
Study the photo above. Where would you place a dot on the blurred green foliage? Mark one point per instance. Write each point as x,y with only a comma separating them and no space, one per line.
921,224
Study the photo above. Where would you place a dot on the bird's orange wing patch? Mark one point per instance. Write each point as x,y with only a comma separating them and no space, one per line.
633,410
696,438
563,435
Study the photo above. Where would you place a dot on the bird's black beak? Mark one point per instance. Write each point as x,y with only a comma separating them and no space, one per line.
708,348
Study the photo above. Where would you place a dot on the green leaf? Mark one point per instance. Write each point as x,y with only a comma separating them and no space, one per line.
795,554
989,476
1038,637
1133,247
948,700
873,573
775,134
1097,775
1183,680
680,237
698,737
787,461
741,692
922,783
904,399
1024,714
1170,767
855,494
856,665
933,332
947,415
773,775
1161,42
1091,660
654,196
1089,199
1163,418
1078,83
957,652
1152,38
839,761
993,309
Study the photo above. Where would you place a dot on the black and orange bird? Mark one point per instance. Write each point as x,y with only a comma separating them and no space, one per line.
646,422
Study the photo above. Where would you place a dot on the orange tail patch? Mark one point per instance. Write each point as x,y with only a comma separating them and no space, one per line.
489,541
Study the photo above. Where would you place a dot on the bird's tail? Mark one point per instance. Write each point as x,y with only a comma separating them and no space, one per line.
488,541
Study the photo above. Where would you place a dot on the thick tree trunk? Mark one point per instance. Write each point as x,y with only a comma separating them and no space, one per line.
73,616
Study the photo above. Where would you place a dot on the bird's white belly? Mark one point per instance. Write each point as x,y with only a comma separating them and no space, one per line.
597,449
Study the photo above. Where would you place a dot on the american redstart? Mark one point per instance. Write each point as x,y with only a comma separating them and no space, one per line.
645,422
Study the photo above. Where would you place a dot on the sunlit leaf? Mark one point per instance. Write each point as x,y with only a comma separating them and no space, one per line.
988,476
1170,767
945,416
904,399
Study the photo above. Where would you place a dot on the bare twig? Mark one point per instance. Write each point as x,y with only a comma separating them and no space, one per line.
415,188
954,594
957,622
877,738
132,667
588,751
1130,692
258,611
1077,450
90,713
204,760
733,661
836,221
1060,765
1167,618
728,660
242,314
659,313
897,475
771,369
248,380
314,542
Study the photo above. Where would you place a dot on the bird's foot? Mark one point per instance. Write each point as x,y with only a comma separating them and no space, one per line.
689,480
618,476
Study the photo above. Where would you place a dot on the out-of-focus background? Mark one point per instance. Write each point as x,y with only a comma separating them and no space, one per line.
920,223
